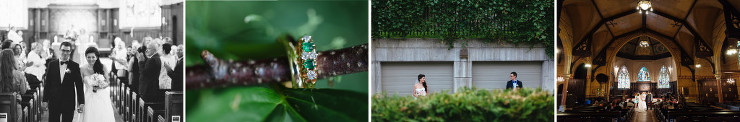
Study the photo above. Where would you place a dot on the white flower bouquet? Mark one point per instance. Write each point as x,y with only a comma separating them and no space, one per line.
97,81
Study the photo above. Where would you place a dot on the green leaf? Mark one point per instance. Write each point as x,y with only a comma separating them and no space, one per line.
277,103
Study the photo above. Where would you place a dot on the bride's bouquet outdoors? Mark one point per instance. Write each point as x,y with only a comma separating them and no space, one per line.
97,81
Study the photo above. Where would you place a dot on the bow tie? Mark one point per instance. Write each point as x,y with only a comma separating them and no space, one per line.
64,62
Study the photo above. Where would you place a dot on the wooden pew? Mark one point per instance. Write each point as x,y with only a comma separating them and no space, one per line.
37,107
173,106
113,88
8,107
131,106
39,110
702,116
119,97
594,116
27,104
124,101
141,114
161,119
27,113
151,110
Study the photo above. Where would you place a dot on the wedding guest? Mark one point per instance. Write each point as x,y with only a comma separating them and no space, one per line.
180,51
36,61
420,87
168,59
5,44
118,57
45,49
149,80
168,64
513,83
20,55
135,65
176,76
11,79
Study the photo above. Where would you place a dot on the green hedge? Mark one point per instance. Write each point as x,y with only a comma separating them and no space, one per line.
466,105
528,22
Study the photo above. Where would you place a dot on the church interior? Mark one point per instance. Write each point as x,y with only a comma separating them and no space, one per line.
681,54
41,25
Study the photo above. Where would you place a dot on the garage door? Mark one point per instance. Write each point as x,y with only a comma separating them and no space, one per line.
494,75
400,77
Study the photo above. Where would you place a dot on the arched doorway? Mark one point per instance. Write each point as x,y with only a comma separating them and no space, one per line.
577,86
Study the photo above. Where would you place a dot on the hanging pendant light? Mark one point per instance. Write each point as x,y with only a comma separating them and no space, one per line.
644,6
644,42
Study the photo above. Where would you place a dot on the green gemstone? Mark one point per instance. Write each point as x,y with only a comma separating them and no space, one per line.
308,46
309,64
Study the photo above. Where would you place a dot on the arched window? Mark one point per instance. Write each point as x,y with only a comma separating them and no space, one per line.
623,78
643,75
663,78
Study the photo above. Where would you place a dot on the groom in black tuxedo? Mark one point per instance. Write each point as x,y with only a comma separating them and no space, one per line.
649,100
62,78
513,82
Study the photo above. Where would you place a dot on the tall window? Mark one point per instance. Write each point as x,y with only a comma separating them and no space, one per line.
623,78
663,78
643,75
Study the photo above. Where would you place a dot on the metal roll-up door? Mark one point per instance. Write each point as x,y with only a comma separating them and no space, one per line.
400,77
494,75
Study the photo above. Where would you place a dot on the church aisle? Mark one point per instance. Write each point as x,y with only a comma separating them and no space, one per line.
647,116
45,116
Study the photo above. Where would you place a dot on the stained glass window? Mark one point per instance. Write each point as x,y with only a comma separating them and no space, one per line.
663,78
643,75
623,78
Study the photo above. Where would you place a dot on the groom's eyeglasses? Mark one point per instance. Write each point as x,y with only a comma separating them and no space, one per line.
66,51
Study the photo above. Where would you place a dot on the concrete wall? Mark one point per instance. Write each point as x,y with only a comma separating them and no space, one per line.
434,50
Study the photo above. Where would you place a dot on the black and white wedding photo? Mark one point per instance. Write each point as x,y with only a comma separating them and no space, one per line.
91,60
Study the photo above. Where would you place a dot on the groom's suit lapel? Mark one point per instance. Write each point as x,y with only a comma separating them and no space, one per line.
57,67
71,67
64,73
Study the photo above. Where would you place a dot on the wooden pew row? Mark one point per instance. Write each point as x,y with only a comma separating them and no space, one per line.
173,107
8,107
27,104
705,116
169,111
591,116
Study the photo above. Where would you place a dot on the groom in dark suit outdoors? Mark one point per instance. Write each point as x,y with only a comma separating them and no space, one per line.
62,78
513,82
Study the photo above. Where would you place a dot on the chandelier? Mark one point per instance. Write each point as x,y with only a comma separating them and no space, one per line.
730,81
644,42
644,6
561,79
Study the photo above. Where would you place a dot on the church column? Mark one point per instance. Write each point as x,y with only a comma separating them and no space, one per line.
720,96
566,78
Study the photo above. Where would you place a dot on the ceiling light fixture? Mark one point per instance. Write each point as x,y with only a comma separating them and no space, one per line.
644,6
644,42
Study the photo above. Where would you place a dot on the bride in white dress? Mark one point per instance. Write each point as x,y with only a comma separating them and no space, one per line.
98,106
641,105
420,87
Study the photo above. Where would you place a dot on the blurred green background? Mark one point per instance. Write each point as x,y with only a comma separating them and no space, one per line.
249,30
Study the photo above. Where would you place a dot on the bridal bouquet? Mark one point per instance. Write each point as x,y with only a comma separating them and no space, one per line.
97,81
